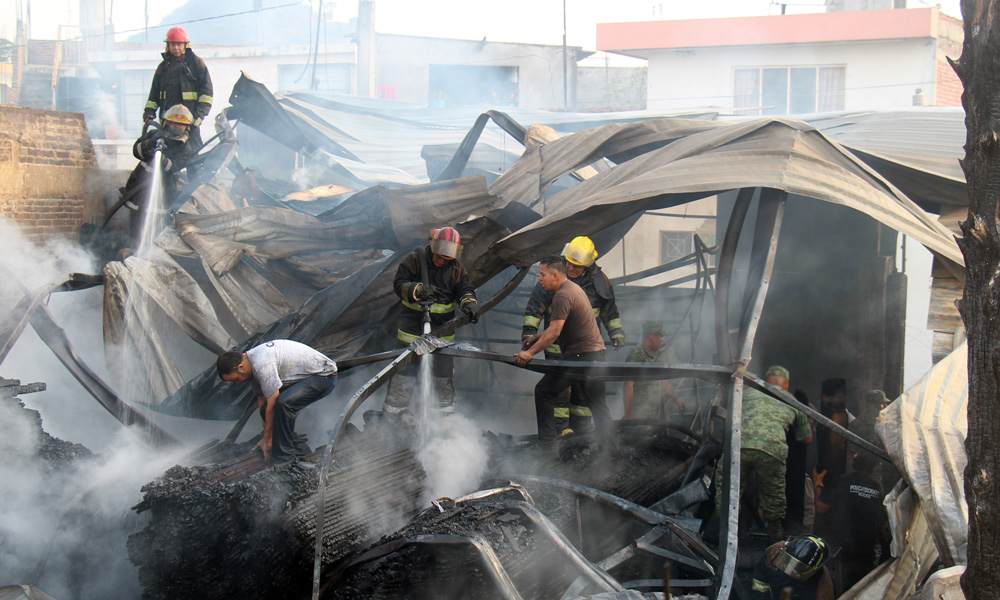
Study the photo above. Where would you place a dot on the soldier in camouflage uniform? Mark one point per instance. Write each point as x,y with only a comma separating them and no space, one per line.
764,450
647,399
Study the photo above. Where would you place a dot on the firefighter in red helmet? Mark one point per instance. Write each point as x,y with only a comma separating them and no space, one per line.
181,78
431,275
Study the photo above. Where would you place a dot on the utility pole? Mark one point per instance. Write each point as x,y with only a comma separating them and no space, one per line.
565,63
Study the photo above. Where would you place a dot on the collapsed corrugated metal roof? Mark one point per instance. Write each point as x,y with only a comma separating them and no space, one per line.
260,263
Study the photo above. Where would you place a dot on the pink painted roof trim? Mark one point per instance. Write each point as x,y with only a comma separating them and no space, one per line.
778,29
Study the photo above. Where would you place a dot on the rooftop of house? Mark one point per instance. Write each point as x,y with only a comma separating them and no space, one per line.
638,38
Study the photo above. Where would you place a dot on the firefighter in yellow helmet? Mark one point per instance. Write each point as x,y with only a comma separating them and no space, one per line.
173,140
433,275
580,256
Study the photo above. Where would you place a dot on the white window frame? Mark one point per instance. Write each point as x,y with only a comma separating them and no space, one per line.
751,101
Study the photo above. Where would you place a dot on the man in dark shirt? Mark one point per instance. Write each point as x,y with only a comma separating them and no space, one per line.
573,325
831,446
857,520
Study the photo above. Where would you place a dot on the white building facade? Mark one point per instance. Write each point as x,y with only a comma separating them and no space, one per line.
796,64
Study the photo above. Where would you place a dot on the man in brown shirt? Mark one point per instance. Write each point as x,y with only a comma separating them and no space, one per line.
573,325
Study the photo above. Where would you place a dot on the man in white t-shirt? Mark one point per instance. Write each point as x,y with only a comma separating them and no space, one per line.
286,376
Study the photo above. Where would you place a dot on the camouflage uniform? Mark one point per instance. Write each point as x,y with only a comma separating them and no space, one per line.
764,449
648,400
570,410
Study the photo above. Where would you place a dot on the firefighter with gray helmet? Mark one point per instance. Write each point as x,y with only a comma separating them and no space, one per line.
433,277
580,256
798,563
181,78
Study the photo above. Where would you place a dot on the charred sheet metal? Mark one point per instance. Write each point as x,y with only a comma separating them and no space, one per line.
530,553
769,153
55,338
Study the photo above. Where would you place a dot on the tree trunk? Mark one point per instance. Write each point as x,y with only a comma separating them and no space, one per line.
979,70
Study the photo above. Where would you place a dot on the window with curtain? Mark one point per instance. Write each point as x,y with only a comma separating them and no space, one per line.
788,90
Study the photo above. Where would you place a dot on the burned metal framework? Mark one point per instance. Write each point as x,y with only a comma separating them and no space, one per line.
639,166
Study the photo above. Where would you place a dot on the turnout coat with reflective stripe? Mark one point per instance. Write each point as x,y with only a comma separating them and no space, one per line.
451,278
183,80
595,284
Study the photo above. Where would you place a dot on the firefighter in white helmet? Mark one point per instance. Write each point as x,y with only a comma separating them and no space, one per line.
430,275
580,256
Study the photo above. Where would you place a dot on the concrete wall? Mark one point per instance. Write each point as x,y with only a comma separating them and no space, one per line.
641,245
610,88
880,74
48,172
404,64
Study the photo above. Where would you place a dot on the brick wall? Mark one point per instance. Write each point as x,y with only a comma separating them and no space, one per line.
947,86
48,172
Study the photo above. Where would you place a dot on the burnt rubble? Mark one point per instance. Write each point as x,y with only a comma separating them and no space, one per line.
237,529
52,451
242,531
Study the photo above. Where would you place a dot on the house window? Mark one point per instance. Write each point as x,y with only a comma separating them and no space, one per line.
675,244
788,90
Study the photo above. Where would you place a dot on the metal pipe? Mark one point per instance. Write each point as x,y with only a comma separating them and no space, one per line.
601,579
724,274
636,511
770,211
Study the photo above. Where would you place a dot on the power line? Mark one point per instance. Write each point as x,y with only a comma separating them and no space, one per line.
198,20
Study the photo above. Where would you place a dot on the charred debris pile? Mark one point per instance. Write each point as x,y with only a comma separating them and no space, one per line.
537,528
53,452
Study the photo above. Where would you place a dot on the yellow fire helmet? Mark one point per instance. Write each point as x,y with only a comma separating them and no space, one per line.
179,113
580,251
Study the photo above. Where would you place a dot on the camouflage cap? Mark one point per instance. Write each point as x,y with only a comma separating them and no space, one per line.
776,371
652,328
876,396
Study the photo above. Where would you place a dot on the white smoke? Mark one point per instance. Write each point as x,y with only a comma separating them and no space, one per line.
454,457
65,529
36,263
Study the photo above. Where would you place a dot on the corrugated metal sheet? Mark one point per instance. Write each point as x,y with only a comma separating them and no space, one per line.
708,158
924,432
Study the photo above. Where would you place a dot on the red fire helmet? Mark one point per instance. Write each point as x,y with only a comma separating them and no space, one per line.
446,242
177,34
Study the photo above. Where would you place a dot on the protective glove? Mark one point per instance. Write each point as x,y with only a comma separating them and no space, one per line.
618,340
147,117
425,293
166,163
471,308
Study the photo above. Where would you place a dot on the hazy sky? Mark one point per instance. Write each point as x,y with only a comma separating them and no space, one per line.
538,21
